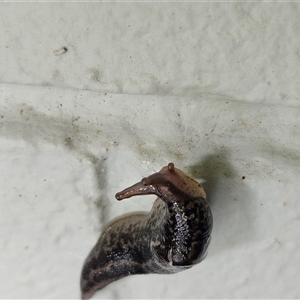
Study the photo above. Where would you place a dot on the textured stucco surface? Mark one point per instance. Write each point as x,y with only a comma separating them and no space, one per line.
212,87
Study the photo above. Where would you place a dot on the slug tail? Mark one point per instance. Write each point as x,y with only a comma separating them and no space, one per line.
95,279
118,253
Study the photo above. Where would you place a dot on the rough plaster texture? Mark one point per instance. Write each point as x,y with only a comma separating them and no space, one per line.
213,87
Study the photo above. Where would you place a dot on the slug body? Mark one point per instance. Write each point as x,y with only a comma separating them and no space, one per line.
172,237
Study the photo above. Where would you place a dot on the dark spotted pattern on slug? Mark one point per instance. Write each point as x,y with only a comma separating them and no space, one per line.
172,237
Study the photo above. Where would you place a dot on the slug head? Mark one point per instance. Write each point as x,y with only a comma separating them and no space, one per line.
170,184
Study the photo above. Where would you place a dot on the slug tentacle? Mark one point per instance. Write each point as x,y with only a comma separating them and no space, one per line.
172,237
137,189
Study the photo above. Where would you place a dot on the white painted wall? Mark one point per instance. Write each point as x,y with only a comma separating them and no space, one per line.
212,87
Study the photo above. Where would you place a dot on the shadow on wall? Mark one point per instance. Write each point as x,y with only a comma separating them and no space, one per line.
102,202
213,168
100,170
229,199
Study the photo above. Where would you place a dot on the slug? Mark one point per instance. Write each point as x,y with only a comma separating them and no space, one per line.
172,237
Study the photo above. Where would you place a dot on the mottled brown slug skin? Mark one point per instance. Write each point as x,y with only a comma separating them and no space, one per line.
172,237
